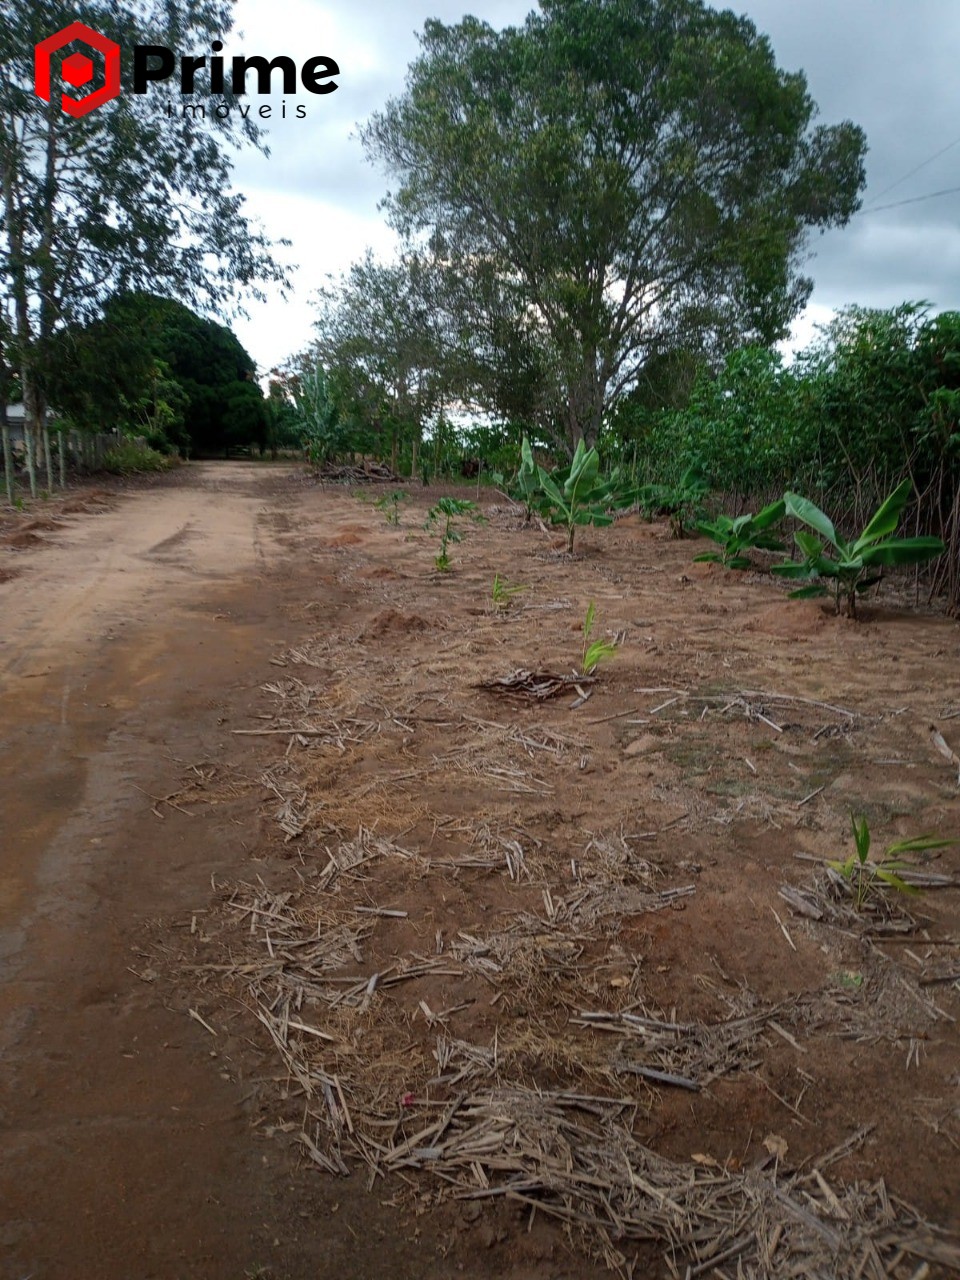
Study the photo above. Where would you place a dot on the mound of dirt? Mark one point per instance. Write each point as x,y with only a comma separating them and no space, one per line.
391,622
708,570
640,525
380,572
344,540
790,619
85,503
21,539
42,524
6,575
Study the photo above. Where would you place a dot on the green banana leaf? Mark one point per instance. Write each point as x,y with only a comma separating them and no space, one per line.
887,516
903,551
809,513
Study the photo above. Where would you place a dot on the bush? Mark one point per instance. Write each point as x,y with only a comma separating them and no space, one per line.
747,426
158,441
128,458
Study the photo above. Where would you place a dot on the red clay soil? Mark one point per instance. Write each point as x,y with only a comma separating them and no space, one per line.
128,646
141,1115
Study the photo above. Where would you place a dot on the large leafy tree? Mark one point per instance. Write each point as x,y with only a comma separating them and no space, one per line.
96,373
382,334
126,197
224,403
638,176
407,338
150,364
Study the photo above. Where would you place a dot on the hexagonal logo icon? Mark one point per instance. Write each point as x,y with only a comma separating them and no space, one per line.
77,69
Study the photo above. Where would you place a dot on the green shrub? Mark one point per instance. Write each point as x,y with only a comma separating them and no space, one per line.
158,440
681,503
127,458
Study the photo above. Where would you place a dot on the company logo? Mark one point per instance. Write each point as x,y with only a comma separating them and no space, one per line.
77,69
152,63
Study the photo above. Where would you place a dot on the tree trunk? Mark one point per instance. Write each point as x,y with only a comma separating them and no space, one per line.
413,456
48,456
28,445
62,456
18,283
7,454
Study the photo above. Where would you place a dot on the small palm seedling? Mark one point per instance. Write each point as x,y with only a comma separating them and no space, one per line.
503,593
593,653
865,878
736,536
446,513
389,504
852,566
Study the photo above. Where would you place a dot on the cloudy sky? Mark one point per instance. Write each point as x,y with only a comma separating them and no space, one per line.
889,65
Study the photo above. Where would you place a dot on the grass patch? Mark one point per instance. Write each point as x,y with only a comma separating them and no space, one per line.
128,458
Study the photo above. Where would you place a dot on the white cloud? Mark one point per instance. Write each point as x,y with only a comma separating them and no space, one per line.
804,328
326,238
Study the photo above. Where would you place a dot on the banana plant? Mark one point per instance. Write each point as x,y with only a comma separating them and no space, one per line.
735,536
851,566
596,651
503,593
578,495
527,485
680,502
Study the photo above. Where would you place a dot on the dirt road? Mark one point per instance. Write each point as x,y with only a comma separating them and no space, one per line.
126,1149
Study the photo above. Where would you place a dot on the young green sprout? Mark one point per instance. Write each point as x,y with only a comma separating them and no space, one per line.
447,510
503,593
594,653
865,877
389,504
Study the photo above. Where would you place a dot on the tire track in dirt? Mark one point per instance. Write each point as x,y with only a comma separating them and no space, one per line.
125,1131
126,1152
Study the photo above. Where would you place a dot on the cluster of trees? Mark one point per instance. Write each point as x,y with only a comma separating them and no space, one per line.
873,402
124,200
604,214
581,197
150,366
378,375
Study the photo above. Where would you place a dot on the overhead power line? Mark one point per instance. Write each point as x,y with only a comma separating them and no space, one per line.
896,204
916,169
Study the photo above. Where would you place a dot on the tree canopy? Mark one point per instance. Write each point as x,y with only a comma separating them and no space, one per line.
612,180
381,357
152,365
124,198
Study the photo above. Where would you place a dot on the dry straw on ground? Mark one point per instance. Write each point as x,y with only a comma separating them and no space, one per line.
443,964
